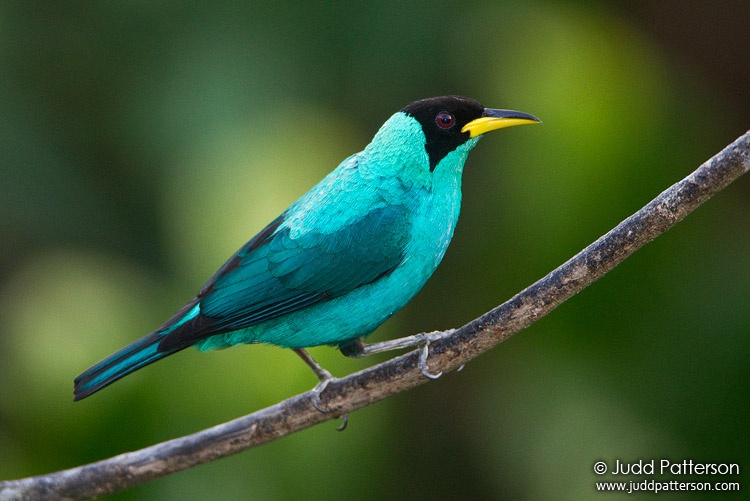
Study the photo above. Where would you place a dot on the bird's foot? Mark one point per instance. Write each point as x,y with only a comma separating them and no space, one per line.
325,378
315,400
424,352
357,349
323,375
318,390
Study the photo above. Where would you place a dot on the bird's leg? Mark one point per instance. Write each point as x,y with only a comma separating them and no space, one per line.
358,349
325,378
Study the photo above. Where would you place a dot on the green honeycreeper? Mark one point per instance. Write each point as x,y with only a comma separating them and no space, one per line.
343,258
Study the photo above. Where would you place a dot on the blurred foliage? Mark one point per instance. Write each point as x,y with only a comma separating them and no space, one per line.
144,142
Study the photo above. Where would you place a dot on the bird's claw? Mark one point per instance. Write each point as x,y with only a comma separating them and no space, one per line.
344,422
325,379
317,391
315,401
424,352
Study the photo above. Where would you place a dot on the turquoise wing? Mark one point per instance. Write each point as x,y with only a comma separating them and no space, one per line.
276,273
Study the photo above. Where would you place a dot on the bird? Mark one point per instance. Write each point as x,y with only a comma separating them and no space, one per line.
343,258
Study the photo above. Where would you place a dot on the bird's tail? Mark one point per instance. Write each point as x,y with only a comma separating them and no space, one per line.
120,364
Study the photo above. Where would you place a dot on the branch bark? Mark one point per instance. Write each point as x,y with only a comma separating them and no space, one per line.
448,351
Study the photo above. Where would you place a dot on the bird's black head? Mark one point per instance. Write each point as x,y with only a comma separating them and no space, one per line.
450,121
442,119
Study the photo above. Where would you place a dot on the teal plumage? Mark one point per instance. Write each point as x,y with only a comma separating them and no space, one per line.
344,257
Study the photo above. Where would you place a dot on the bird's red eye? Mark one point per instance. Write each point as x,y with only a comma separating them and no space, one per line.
445,120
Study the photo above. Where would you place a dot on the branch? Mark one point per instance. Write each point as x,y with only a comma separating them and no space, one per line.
448,351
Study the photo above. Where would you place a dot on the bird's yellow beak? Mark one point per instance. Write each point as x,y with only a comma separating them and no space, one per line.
497,119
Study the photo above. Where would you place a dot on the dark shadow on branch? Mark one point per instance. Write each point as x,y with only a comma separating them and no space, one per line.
448,351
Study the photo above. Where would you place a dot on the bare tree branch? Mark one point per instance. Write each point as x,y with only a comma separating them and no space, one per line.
448,351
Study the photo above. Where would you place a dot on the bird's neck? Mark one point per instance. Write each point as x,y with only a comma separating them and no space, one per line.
398,152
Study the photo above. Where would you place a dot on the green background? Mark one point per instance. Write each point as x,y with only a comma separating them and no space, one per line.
143,143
